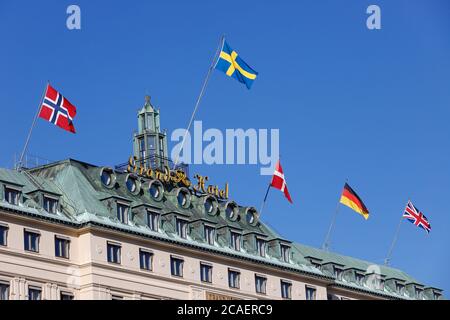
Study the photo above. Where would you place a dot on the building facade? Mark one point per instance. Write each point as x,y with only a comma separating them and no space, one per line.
72,230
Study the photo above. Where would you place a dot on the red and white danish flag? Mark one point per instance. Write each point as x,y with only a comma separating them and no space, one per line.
279,182
58,110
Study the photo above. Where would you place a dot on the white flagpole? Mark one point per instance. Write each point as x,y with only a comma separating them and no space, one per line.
202,91
394,241
19,165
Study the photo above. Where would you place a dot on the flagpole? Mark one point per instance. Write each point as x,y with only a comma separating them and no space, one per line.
19,165
200,96
265,198
326,242
394,241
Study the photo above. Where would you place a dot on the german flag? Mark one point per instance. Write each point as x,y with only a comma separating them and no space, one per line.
351,200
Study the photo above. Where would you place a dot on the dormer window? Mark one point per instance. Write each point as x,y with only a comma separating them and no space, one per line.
209,235
337,272
153,220
418,292
12,195
400,287
182,228
183,198
235,239
285,252
261,247
50,204
359,278
122,212
436,295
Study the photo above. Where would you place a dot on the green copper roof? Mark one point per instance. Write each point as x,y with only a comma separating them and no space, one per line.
85,200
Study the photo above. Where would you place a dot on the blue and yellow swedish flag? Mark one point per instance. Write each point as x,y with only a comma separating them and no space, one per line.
233,66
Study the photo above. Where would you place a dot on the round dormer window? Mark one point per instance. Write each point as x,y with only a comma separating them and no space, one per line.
156,190
108,177
231,211
211,205
183,198
133,184
251,216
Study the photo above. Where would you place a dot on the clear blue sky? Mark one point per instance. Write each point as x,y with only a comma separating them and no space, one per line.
370,106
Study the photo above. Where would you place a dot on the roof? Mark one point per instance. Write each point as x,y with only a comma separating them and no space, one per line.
83,202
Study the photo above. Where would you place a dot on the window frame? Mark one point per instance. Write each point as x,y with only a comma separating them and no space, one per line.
180,268
28,244
6,285
310,289
237,279
67,294
235,240
153,215
35,289
288,284
260,284
209,268
181,227
125,215
150,263
50,198
119,252
17,190
209,236
285,251
4,229
66,242
262,253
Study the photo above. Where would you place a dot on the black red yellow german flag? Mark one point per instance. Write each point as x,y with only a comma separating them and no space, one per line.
352,200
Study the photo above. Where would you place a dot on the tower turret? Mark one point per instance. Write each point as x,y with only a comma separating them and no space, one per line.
150,143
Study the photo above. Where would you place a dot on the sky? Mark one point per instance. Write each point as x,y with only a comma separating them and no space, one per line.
370,106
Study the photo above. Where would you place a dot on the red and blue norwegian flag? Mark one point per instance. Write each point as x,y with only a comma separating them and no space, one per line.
416,217
58,110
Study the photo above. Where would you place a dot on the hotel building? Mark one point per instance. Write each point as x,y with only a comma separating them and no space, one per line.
72,230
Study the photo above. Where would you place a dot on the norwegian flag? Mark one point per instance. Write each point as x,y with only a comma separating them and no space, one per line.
58,110
279,182
416,217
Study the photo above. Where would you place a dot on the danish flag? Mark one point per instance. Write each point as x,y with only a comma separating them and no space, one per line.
58,110
279,182
416,217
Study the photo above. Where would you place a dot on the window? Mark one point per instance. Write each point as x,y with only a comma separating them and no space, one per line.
230,211
151,141
113,297
182,198
337,273
66,296
286,289
155,191
310,293
150,122
260,284
418,293
3,234
209,235
113,252
182,228
176,266
142,148
145,259
235,241
205,272
261,247
209,206
153,220
233,278
399,287
4,291
34,293
122,212
62,247
50,204
436,295
12,196
285,250
359,277
31,241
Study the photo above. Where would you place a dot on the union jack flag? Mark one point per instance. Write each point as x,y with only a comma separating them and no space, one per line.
416,217
58,110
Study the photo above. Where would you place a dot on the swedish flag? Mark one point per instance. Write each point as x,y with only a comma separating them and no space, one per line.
233,66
